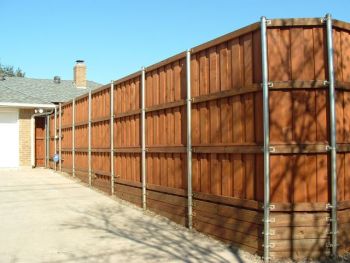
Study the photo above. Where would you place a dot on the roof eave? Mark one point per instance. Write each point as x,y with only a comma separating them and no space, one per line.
27,105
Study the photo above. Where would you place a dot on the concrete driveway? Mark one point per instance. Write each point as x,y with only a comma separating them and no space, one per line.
47,217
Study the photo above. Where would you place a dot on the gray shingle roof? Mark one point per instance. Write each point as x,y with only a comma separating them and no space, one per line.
40,91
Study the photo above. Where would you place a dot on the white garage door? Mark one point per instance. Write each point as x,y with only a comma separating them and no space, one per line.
9,138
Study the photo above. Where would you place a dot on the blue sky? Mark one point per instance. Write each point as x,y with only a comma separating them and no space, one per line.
116,38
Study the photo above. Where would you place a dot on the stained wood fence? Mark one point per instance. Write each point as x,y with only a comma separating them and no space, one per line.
226,123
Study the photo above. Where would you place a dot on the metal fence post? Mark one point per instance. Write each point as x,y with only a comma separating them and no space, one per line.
143,138
189,138
112,136
55,135
266,124
73,137
60,136
89,138
333,132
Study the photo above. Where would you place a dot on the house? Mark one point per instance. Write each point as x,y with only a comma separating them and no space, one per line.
21,99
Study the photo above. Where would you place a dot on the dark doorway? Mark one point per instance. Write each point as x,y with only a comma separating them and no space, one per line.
39,141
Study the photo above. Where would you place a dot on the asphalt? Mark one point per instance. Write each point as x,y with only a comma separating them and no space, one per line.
48,217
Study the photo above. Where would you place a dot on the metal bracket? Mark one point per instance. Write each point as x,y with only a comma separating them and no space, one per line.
329,219
329,206
270,84
268,21
272,233
330,148
272,149
271,207
331,245
326,82
271,245
272,220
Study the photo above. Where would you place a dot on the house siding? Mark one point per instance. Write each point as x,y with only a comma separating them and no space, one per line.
25,136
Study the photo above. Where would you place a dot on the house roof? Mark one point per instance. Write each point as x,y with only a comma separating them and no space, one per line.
40,91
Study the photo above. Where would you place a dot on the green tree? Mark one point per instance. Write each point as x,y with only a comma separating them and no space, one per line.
9,71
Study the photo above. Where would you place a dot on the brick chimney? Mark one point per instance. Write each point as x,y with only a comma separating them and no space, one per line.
80,74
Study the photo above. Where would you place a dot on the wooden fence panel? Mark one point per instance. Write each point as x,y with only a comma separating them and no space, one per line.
52,140
127,140
225,82
227,137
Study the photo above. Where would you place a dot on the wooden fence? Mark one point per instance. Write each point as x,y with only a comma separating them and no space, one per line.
227,138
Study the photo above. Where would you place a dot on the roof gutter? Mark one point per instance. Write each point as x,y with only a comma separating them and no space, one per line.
27,105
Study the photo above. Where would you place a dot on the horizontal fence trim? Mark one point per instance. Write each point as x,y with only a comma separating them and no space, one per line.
226,94
341,24
345,85
298,84
343,205
166,149
101,119
127,150
80,97
299,148
166,106
308,148
307,84
66,126
82,170
128,77
99,172
126,182
81,150
296,22
100,150
276,148
64,104
227,200
67,169
168,190
166,61
299,207
102,88
226,37
228,149
66,150
343,147
81,123
127,114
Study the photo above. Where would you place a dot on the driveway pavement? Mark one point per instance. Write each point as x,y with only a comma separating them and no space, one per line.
47,217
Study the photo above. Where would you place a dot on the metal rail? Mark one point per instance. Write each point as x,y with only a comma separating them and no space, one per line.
189,138
265,86
143,138
333,131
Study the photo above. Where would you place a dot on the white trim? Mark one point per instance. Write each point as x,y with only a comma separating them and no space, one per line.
26,105
32,140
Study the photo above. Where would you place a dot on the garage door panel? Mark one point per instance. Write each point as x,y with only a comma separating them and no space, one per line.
9,139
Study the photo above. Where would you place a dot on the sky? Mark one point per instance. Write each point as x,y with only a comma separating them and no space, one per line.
116,38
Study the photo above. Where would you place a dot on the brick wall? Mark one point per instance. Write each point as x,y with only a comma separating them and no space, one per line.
24,136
